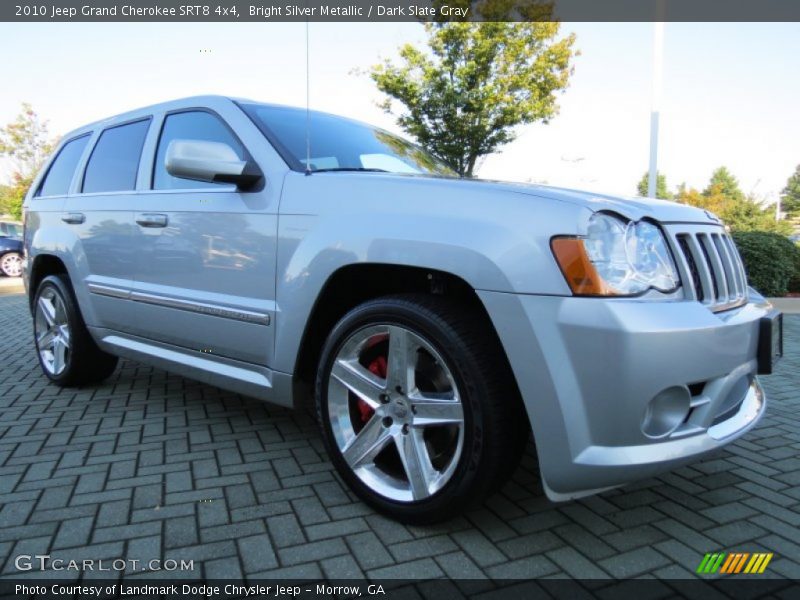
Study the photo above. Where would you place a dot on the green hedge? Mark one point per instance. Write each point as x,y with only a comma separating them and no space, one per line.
794,283
771,260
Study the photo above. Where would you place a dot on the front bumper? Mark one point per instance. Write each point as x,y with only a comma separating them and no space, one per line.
623,389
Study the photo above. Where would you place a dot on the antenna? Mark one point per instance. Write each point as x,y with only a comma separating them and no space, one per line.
308,107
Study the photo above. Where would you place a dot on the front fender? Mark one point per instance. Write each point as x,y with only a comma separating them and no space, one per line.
330,222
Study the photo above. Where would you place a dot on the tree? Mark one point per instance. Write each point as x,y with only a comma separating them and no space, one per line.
740,214
26,142
4,192
726,183
12,196
711,200
661,186
463,99
790,197
747,215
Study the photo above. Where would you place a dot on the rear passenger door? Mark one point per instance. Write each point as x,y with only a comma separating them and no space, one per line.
101,215
206,273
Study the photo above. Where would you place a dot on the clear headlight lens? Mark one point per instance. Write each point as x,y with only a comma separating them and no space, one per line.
617,257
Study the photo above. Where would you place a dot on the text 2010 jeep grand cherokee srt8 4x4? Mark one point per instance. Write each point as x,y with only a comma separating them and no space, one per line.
439,320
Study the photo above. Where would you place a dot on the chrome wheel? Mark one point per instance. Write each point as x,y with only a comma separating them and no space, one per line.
395,412
51,328
11,264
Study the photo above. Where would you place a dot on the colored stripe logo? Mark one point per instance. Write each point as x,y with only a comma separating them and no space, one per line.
728,563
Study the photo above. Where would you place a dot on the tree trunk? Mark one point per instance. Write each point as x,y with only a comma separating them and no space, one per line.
471,160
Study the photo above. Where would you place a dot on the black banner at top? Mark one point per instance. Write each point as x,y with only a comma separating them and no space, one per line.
233,11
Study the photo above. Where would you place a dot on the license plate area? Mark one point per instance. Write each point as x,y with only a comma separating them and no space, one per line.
770,342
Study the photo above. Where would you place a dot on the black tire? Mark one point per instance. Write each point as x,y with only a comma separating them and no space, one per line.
495,423
85,363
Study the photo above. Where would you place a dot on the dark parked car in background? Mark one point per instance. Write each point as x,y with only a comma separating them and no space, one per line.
10,249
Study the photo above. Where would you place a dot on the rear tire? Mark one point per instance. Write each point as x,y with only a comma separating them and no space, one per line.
421,458
11,264
67,353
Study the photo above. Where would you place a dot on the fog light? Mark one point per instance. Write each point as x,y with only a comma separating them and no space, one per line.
666,411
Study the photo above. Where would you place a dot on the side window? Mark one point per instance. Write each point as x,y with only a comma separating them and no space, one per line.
115,159
193,125
59,176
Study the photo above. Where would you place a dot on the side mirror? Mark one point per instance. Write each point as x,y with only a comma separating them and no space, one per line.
213,162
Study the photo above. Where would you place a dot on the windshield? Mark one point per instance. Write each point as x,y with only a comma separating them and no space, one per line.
339,144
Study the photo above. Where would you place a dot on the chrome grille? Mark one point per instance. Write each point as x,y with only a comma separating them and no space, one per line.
710,266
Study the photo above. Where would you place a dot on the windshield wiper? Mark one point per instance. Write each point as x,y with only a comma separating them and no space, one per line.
347,169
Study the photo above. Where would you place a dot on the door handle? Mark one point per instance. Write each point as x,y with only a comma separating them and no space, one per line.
152,220
74,218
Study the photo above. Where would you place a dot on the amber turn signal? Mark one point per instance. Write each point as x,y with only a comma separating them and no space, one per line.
578,270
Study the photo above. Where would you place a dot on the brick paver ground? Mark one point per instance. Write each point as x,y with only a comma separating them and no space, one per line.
150,465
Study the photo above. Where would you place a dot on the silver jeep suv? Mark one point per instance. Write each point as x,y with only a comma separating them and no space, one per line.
273,252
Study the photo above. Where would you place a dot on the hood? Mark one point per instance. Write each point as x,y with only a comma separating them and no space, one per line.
632,208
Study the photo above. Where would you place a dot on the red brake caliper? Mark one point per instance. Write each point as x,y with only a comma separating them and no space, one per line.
376,367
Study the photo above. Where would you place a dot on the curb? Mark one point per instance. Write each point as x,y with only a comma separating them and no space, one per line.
11,285
788,306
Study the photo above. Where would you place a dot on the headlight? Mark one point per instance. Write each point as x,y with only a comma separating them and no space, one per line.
616,258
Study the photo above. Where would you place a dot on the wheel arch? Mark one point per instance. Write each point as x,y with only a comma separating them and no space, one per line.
353,284
42,266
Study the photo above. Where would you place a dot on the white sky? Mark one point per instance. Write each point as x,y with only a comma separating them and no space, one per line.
730,90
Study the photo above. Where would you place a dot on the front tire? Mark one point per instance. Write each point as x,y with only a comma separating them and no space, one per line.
418,407
67,353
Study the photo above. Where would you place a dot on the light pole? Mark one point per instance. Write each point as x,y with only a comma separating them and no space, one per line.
658,73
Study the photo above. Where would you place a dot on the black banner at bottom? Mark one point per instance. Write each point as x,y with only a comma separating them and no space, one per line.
441,589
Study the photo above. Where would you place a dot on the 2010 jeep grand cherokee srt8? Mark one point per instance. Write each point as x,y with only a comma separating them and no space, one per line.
438,320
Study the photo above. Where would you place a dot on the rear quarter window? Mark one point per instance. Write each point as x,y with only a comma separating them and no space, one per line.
115,159
62,169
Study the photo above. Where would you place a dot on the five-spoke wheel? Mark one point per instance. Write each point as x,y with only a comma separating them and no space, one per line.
417,408
51,328
395,412
67,353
